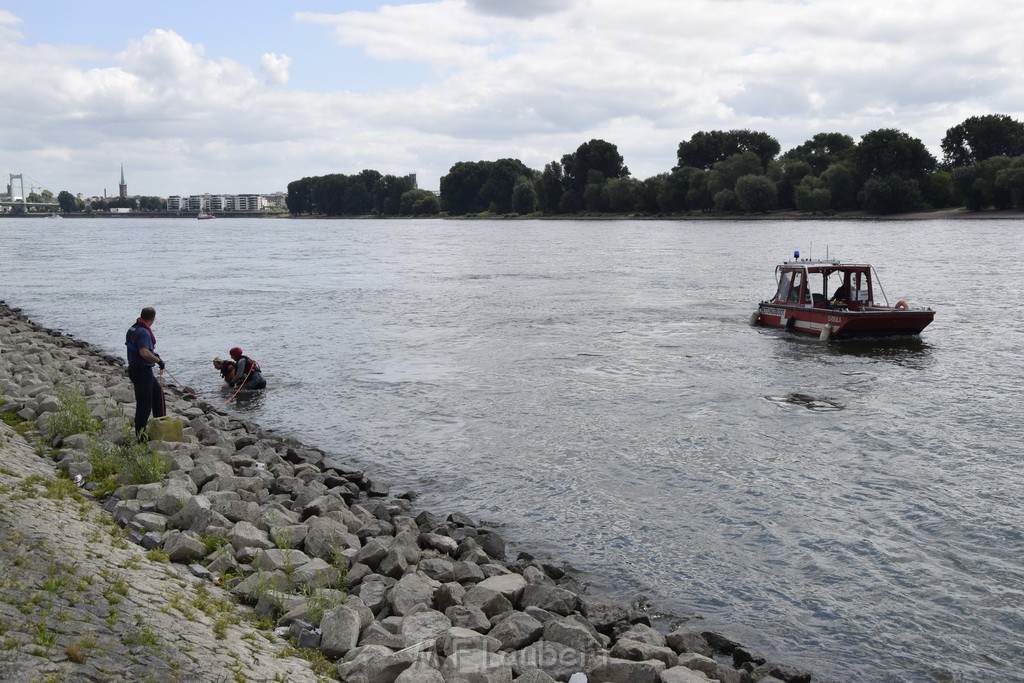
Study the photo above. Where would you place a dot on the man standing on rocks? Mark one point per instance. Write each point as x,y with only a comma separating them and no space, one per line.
149,395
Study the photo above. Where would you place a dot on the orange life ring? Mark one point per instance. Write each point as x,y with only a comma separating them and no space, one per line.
901,305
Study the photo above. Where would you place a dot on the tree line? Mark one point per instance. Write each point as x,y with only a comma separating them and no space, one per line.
717,171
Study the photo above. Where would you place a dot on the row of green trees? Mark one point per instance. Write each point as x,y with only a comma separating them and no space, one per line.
887,171
362,194
69,203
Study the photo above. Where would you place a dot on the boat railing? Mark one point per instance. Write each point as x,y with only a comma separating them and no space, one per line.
878,283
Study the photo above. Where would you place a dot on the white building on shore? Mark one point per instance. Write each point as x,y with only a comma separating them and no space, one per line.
216,203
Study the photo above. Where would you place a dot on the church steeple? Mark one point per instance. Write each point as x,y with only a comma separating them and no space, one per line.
123,187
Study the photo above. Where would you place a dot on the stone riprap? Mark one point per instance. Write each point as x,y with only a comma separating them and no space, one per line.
342,568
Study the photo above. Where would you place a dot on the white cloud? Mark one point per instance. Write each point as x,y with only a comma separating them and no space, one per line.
275,67
523,9
642,75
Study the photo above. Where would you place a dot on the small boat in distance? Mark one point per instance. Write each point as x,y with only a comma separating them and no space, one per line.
857,306
203,216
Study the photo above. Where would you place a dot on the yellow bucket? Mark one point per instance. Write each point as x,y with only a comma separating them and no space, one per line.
165,429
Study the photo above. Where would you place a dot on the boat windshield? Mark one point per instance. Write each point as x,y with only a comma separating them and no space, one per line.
791,287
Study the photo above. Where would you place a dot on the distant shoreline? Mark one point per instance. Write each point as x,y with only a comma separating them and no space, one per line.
941,214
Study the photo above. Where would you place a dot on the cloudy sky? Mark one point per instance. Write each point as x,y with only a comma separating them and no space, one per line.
229,96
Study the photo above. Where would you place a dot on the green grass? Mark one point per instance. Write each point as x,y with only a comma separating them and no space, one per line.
317,660
129,462
73,415
144,636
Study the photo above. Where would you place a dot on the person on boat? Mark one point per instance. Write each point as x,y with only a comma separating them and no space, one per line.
839,296
247,371
226,368
142,356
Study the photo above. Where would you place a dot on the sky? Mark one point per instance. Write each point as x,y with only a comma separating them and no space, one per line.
232,97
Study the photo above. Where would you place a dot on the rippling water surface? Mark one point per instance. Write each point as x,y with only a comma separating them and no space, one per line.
851,508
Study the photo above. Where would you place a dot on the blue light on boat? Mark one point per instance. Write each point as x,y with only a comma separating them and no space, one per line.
796,253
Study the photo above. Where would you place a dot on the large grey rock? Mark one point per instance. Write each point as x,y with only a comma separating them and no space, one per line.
374,592
424,627
175,495
468,617
477,666
448,594
612,670
201,474
286,560
317,574
535,676
372,553
325,535
394,563
768,671
492,544
692,660
255,585
556,660
456,639
491,602
638,651
323,504
606,616
537,577
413,589
511,586
442,544
209,522
420,673
275,515
232,483
438,569
557,600
644,634
356,666
340,629
289,536
517,631
468,573
150,521
377,634
572,633
681,674
238,510
184,547
246,535
682,641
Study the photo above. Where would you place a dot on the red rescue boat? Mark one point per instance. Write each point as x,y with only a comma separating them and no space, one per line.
832,299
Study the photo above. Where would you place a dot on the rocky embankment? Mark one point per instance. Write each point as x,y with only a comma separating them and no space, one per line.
356,581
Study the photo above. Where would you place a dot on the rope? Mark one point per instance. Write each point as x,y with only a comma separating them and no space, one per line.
191,391
163,398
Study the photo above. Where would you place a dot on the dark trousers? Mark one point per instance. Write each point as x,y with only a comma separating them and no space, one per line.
149,395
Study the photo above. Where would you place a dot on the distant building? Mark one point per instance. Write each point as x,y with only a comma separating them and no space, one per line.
276,198
218,203
123,187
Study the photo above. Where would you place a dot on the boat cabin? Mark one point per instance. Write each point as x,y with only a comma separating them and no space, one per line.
833,299
826,285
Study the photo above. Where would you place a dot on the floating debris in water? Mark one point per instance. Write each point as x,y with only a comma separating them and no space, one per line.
807,401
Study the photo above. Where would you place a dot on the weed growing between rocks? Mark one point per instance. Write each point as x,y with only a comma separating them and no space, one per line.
73,415
320,664
129,462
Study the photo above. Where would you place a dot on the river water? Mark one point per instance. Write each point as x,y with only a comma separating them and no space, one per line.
594,388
